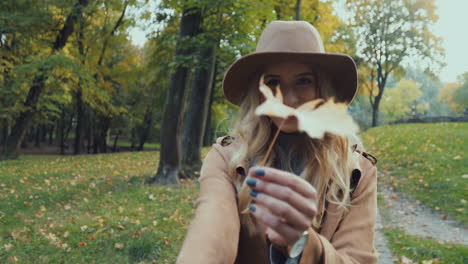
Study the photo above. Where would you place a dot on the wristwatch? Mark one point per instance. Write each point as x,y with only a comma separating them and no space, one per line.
296,249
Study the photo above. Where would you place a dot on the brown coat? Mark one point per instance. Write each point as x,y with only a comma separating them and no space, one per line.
215,234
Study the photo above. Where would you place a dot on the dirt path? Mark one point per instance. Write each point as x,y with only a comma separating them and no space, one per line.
381,244
420,220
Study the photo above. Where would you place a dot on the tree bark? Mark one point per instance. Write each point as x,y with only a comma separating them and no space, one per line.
169,163
51,134
79,97
23,122
79,122
37,136
298,10
208,134
197,111
147,122
116,140
381,82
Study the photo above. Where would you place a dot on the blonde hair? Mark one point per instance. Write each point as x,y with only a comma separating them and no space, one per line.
328,169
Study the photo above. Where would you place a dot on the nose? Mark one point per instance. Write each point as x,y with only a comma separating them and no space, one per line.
291,98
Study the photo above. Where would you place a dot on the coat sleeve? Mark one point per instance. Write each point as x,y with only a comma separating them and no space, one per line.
213,234
353,241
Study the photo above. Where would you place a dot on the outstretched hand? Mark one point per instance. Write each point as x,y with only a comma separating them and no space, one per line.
283,202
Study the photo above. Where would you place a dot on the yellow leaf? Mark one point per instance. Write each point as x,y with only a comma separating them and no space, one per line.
119,245
315,117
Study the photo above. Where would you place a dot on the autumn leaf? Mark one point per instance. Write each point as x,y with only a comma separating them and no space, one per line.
315,117
119,245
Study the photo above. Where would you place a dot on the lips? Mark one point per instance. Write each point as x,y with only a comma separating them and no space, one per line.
291,118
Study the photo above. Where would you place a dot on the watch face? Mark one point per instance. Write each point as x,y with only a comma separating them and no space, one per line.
296,250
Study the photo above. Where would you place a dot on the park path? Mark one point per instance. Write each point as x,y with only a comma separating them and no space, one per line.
417,219
380,242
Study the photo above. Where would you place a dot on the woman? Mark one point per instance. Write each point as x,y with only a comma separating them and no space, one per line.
310,204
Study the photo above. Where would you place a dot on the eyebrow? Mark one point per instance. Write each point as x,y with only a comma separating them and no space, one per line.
305,73
299,75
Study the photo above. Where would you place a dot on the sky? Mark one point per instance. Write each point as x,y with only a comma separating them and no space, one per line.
452,26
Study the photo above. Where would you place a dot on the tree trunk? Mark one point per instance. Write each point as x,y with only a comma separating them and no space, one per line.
50,134
5,132
79,122
37,137
24,120
62,133
381,82
197,111
298,10
147,122
133,138
169,162
208,133
116,140
89,133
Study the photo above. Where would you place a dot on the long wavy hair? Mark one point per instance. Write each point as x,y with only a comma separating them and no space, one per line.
328,169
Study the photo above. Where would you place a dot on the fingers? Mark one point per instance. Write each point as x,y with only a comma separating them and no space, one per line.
306,206
282,210
288,233
284,178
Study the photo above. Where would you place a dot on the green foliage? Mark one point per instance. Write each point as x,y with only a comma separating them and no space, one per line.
460,96
426,162
402,101
430,86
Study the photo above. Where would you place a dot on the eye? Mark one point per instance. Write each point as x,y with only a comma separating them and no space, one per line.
272,83
304,81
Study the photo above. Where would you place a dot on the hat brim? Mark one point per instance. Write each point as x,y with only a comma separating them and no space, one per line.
340,67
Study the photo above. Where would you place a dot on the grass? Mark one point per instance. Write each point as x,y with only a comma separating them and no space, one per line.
423,250
90,209
425,161
97,209
147,145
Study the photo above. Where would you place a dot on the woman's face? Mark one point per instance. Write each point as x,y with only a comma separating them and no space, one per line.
298,85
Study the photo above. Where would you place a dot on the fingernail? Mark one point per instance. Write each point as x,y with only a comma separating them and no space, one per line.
260,172
252,208
251,182
253,193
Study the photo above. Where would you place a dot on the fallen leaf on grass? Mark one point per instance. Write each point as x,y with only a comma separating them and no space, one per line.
405,260
82,244
7,246
119,245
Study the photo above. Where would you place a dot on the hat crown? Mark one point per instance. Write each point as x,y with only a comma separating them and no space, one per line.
290,36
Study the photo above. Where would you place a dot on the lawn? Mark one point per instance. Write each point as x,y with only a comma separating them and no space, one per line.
426,162
97,208
128,144
413,249
90,209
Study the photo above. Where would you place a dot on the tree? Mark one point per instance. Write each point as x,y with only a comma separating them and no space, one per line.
455,94
401,101
23,122
389,31
169,162
461,94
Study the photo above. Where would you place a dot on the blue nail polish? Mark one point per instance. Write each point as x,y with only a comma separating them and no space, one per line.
252,208
253,193
251,182
260,172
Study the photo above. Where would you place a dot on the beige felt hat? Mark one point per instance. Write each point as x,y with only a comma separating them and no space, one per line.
295,41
